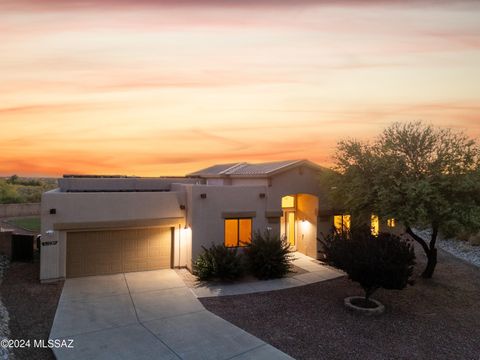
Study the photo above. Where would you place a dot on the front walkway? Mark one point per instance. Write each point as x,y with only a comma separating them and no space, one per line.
312,271
146,315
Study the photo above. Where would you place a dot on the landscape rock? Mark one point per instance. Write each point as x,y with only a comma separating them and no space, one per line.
4,317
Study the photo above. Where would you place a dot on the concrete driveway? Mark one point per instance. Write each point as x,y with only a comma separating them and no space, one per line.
146,315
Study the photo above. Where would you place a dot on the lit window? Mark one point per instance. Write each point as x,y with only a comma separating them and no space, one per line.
391,223
375,224
341,223
238,232
288,201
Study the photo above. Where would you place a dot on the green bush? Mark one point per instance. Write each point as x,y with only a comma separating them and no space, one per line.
218,262
383,261
268,256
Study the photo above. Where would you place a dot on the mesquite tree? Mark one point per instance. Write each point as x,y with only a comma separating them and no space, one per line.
424,177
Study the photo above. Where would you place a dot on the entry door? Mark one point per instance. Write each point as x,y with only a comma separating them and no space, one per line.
290,227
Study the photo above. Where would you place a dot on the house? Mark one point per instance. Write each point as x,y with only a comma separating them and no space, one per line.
111,224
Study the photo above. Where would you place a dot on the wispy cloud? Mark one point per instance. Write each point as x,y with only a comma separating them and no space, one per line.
166,87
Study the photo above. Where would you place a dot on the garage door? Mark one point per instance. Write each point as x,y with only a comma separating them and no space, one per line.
117,251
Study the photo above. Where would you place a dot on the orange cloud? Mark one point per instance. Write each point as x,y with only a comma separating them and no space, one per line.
167,87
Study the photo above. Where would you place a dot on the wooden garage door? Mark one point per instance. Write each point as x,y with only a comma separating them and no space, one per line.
117,251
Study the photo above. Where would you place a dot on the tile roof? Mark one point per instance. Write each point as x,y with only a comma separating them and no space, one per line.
213,170
247,169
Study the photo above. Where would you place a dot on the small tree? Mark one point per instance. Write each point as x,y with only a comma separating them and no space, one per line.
383,261
424,177
12,179
269,256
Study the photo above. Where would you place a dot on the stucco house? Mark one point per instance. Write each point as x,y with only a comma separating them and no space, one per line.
111,224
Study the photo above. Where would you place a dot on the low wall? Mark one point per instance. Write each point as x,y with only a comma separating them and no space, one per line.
17,210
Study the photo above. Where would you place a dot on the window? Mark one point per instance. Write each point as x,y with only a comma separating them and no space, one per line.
341,223
238,232
391,223
288,201
375,225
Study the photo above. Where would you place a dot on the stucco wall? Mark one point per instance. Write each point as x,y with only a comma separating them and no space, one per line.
296,181
249,182
205,215
17,210
307,210
84,208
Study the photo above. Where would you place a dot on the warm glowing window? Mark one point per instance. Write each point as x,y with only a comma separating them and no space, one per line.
288,201
238,232
375,224
391,223
341,223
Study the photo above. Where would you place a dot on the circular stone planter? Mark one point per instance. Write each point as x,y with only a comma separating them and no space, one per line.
350,305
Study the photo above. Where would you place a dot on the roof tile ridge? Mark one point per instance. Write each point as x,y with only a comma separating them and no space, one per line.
233,167
289,163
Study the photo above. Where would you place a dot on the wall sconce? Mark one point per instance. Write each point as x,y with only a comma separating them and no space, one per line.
203,196
304,226
182,207
262,195
53,211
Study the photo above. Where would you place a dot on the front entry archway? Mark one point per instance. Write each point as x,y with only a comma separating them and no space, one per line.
298,224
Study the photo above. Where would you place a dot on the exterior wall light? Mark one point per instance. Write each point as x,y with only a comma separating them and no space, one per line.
262,195
182,207
203,196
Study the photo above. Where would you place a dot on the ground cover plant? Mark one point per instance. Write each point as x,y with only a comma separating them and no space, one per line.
268,256
218,262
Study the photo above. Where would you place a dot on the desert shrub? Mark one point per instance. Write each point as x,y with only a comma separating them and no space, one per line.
268,256
383,261
218,262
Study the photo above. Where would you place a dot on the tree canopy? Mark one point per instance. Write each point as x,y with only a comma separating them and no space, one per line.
423,176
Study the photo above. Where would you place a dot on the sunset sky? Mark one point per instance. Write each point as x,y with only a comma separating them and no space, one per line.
166,87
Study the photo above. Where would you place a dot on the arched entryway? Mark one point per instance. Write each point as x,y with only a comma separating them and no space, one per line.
298,224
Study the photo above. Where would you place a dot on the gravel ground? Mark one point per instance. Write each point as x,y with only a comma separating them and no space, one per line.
462,250
458,248
31,306
4,318
434,319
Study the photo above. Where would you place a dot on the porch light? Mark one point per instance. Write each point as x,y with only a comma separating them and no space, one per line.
304,225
